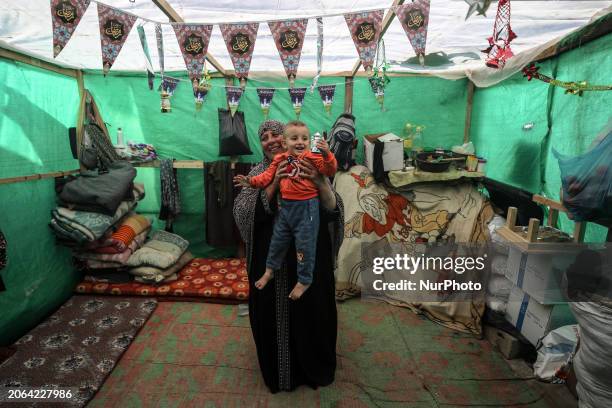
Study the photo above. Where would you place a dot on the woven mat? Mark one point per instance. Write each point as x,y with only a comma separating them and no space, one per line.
76,348
208,280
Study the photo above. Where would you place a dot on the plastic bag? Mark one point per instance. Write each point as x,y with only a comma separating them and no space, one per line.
587,182
593,360
554,352
233,139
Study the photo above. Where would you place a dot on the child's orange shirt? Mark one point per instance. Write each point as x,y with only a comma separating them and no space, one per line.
295,187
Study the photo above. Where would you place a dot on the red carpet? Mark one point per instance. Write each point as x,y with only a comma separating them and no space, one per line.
215,280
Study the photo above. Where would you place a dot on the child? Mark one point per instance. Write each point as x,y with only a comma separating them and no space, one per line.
299,209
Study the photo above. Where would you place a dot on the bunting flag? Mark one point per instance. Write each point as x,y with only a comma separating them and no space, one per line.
327,96
65,15
289,38
240,42
378,87
115,26
193,40
297,99
145,50
414,17
265,99
168,85
159,37
365,29
234,93
319,54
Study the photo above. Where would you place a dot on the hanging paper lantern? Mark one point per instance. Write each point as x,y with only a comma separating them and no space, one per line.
233,93
65,16
265,99
297,99
378,87
165,102
499,50
167,88
327,96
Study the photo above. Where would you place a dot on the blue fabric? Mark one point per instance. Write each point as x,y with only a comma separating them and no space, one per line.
298,220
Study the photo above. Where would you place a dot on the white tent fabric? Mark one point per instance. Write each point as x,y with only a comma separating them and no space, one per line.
26,27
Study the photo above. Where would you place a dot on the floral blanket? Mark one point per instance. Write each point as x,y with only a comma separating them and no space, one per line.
424,213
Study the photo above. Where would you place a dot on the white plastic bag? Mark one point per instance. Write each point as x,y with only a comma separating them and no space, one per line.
593,360
500,245
554,351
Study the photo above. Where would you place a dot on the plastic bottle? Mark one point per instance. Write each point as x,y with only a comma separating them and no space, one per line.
120,138
313,144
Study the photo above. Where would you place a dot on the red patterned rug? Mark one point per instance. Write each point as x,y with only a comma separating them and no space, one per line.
214,280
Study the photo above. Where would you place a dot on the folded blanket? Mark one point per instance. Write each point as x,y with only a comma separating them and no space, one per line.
128,228
99,192
162,251
86,226
120,258
150,274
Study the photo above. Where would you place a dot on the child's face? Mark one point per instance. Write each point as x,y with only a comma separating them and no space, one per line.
297,139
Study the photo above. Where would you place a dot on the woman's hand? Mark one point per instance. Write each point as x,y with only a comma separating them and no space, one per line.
326,193
242,181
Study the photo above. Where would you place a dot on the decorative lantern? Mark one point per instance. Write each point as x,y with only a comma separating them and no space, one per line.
165,102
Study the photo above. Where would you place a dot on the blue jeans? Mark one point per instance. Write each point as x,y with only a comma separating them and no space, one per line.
298,220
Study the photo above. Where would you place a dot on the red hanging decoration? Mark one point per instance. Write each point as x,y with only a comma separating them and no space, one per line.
499,50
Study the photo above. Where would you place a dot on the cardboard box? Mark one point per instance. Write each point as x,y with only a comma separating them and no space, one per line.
393,152
534,320
540,275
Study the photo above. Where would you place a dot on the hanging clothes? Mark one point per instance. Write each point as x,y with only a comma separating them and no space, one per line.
219,198
170,199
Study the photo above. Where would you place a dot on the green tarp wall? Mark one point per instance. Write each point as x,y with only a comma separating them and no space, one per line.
37,107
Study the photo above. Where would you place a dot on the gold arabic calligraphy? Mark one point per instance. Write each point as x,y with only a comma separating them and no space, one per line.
66,12
194,45
291,40
415,20
114,29
366,32
241,43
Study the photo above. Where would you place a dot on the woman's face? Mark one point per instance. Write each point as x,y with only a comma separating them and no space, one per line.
271,143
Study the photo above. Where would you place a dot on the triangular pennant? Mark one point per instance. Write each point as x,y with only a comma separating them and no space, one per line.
159,37
365,29
378,87
327,96
297,99
193,40
240,42
115,26
265,99
145,50
234,93
414,17
289,39
168,85
65,16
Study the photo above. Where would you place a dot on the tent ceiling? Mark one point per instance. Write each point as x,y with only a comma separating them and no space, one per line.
26,26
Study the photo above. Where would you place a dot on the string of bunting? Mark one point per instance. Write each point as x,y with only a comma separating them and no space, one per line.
574,88
365,28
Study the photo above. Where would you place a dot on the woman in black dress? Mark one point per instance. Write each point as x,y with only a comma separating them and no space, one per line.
295,340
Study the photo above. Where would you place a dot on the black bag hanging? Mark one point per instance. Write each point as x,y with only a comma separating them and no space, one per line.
341,140
233,139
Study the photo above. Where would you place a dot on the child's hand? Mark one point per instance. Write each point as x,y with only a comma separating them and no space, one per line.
242,180
323,147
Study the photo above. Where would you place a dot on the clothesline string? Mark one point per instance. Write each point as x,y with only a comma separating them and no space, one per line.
148,20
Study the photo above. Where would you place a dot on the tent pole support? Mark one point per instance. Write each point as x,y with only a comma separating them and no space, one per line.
36,62
348,94
468,111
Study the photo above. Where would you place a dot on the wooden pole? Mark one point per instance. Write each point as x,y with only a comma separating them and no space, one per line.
468,112
36,62
348,94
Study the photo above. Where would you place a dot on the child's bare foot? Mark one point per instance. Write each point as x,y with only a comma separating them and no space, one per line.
298,291
261,283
